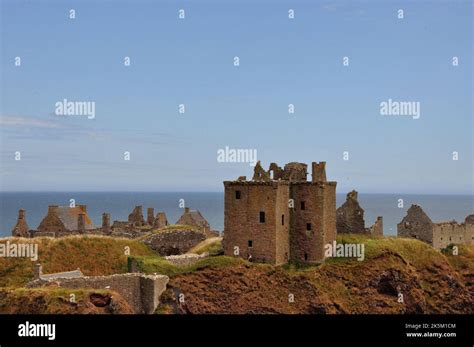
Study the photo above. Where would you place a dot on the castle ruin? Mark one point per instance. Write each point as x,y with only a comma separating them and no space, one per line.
279,215
350,218
416,224
65,221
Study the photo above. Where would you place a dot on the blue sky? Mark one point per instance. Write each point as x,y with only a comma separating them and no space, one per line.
190,62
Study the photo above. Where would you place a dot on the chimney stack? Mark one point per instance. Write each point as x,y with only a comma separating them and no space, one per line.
38,271
150,215
106,222
81,222
319,171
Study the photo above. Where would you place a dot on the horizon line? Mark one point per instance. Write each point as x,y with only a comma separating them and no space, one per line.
207,191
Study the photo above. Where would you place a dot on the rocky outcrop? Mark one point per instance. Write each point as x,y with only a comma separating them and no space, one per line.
174,242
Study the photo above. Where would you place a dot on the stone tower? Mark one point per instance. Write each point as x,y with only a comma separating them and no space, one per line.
106,222
21,227
275,219
150,215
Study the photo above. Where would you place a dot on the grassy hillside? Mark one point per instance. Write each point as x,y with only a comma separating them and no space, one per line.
212,245
54,300
154,264
430,281
94,255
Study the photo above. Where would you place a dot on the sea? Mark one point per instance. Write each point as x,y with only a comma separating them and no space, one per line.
211,205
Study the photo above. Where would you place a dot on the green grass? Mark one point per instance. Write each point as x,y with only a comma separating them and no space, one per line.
168,228
213,246
161,266
94,255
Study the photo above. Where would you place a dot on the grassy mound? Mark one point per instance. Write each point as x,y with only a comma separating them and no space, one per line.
94,255
212,245
161,266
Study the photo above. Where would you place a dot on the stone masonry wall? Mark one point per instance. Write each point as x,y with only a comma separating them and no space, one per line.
242,220
173,242
416,224
307,245
447,233
350,216
142,292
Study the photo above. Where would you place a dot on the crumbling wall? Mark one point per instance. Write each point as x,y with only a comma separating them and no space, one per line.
350,216
452,233
173,242
186,259
295,172
259,174
377,228
142,292
51,223
416,224
318,171
160,220
21,227
136,217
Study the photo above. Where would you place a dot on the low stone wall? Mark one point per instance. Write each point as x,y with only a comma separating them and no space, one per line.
186,259
142,292
174,242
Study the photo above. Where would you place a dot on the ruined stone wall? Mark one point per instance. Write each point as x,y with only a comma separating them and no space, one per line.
51,222
377,228
416,224
295,172
136,217
447,233
242,220
350,216
141,291
174,242
21,227
186,259
160,220
318,171
307,245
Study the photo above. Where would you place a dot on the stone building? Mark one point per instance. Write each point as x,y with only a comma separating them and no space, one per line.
279,215
350,218
21,228
136,223
416,224
194,218
160,220
65,219
141,291
136,217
